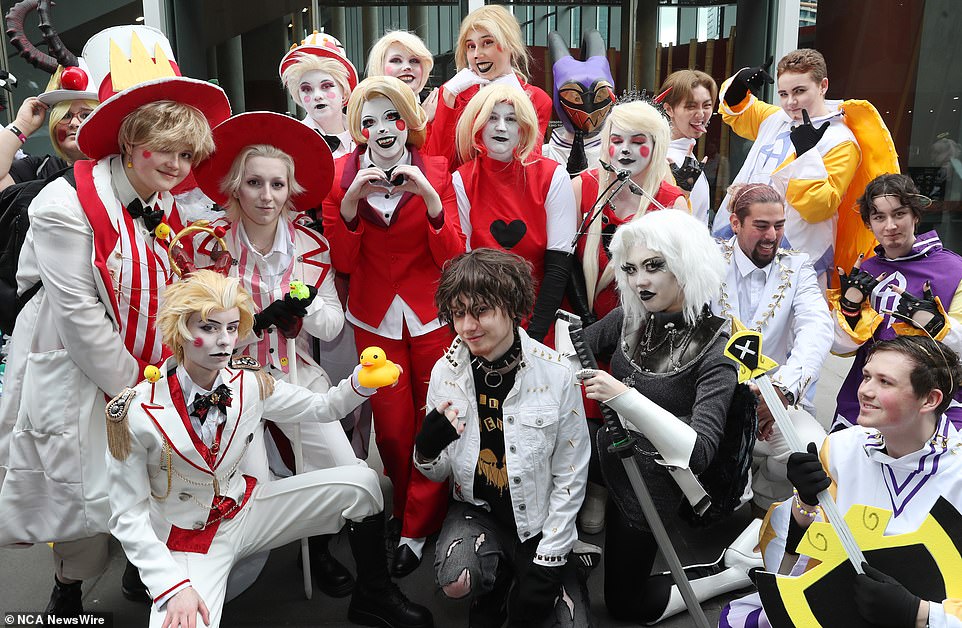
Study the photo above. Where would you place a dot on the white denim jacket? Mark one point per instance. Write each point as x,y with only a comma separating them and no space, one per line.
546,443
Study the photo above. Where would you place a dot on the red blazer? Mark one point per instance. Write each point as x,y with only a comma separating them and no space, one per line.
401,258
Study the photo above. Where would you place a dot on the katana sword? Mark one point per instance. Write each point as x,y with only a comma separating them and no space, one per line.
623,447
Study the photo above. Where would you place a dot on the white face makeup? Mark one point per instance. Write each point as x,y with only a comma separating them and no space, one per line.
213,343
403,65
655,285
501,133
385,131
629,150
322,98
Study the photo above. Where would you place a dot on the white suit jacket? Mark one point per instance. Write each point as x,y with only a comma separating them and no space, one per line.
792,315
67,357
143,509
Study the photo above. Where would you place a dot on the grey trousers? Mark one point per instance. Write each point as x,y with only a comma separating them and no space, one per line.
472,539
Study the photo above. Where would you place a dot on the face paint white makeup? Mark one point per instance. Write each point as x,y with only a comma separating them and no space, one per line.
629,150
501,133
385,131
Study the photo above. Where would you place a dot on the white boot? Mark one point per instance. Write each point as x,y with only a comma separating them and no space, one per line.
732,572
705,588
741,553
592,514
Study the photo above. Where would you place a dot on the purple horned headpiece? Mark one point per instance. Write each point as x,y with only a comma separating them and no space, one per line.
583,91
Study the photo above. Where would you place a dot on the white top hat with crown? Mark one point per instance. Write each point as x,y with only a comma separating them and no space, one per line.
131,66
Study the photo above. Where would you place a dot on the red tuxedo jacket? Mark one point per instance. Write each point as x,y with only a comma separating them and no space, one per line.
402,257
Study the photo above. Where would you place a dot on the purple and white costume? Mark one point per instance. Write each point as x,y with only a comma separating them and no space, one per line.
863,473
928,261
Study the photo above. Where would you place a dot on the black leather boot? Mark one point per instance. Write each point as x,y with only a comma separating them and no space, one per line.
377,601
65,600
331,576
490,610
132,586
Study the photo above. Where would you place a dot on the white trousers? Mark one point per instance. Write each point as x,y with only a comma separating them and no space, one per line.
277,513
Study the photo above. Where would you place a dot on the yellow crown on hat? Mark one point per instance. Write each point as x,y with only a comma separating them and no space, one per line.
140,67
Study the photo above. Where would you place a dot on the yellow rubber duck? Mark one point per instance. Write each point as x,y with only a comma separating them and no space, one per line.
151,373
376,370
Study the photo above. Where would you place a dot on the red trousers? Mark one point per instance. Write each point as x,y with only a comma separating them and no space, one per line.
398,413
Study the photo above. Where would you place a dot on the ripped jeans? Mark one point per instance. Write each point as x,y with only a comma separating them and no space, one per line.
477,556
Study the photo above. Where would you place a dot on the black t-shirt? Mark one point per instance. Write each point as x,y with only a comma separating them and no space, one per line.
491,471
32,168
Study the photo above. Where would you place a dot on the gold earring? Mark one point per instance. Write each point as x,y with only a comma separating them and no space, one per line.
130,164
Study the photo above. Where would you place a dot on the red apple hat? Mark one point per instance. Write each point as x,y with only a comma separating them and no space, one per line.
313,162
70,77
320,45
131,66
69,83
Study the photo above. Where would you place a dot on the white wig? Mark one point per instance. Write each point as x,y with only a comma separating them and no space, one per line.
690,253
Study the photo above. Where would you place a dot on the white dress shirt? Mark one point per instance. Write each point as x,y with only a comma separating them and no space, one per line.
208,429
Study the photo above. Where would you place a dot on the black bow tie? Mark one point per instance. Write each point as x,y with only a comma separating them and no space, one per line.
219,397
333,141
151,217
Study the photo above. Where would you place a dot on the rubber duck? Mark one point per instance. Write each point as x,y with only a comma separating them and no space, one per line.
376,370
299,290
151,373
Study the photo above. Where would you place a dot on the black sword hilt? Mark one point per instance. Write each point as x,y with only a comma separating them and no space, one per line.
622,442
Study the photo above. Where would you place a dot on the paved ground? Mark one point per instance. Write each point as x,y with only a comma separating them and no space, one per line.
277,598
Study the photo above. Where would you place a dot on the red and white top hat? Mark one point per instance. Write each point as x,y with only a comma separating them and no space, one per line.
131,66
313,162
72,83
320,45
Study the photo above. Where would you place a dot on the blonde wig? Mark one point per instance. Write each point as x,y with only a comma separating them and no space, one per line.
690,253
498,21
167,126
203,291
232,182
476,115
308,63
633,117
410,42
398,93
57,114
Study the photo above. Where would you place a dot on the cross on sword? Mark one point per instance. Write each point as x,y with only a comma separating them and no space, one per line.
747,342
745,349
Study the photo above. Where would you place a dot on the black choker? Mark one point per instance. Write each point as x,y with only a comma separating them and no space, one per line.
494,376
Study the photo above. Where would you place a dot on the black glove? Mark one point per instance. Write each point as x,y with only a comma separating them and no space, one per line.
538,588
436,434
285,314
806,474
557,268
909,304
859,280
882,601
805,136
687,173
578,294
748,79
